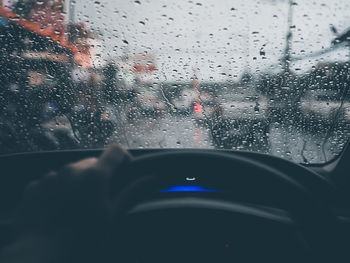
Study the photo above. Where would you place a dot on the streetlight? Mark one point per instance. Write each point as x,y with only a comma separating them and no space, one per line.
286,55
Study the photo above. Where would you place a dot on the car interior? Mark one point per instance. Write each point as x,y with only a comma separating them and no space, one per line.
236,115
212,205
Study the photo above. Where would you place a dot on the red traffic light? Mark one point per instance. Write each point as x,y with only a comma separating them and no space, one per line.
197,107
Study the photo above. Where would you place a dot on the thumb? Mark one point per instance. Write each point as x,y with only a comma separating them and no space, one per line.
113,158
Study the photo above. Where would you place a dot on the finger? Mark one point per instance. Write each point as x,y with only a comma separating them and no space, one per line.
112,158
77,167
73,173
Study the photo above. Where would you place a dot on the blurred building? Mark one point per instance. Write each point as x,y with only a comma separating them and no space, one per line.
27,46
39,51
140,68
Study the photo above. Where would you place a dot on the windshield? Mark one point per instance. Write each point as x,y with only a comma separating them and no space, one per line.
269,76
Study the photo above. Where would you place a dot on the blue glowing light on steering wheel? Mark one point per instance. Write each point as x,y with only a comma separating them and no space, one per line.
187,188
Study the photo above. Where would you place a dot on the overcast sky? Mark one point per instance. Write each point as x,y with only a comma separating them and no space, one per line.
219,38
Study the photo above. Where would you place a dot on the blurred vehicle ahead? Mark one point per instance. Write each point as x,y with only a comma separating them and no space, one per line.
321,106
149,103
185,101
243,121
206,109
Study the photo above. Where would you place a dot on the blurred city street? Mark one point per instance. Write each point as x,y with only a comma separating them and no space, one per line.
69,83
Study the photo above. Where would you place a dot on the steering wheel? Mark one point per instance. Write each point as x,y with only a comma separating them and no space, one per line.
245,179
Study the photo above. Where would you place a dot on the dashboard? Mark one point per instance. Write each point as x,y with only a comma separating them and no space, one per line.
190,217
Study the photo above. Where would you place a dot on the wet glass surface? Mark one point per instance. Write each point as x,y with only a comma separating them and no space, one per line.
269,76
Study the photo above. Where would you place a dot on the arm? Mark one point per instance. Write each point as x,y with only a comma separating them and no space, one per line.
66,216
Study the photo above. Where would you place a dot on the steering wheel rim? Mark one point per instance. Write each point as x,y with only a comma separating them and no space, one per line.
314,218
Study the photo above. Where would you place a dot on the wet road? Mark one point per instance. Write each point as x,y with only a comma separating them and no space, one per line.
171,131
168,131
